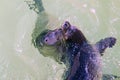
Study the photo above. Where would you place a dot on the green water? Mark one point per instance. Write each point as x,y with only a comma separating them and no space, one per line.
20,60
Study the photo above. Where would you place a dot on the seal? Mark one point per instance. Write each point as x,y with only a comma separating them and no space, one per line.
82,58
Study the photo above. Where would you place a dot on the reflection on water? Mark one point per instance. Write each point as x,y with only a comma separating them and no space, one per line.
18,57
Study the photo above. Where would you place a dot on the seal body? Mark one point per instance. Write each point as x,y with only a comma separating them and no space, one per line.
84,58
85,63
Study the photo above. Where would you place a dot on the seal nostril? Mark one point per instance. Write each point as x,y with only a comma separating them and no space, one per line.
46,40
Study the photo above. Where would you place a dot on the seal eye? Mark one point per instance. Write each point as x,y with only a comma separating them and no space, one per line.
65,25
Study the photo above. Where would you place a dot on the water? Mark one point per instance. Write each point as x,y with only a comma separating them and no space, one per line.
20,60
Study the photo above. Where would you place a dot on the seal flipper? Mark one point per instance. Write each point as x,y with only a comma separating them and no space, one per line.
104,43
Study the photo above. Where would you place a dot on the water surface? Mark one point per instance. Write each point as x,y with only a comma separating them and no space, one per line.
20,60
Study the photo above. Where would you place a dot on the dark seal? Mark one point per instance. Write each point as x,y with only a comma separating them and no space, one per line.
82,58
